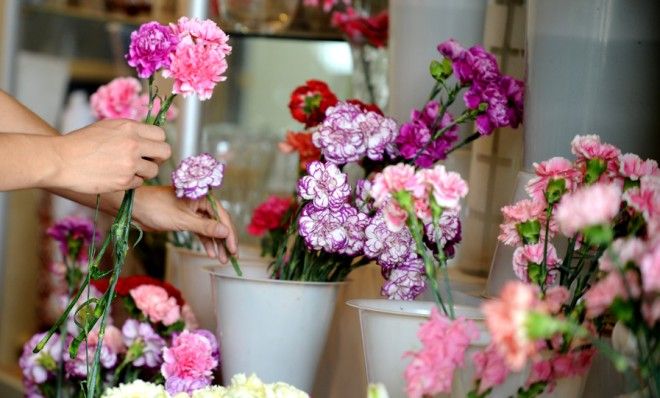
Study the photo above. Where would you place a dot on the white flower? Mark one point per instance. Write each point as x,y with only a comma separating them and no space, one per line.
377,391
137,389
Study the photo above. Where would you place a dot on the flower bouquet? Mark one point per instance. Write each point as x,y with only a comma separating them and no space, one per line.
192,53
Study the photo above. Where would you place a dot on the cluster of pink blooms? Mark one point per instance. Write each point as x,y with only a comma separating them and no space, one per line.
122,98
444,344
444,188
156,304
189,362
192,52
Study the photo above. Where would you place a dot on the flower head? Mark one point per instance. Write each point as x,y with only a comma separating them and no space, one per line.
119,99
504,98
197,175
595,159
474,65
527,263
156,304
601,295
136,389
77,367
143,342
196,69
650,269
269,215
393,179
197,31
325,185
38,368
633,167
406,281
592,205
188,363
390,248
74,235
310,101
490,368
449,232
554,169
444,343
448,188
150,48
329,229
363,201
348,134
523,222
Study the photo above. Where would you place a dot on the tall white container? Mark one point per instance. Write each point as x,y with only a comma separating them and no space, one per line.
275,329
592,67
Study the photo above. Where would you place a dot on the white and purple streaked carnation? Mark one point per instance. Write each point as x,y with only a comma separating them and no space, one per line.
325,185
355,226
363,200
348,134
38,368
389,248
405,282
449,233
197,175
325,228
140,334
176,385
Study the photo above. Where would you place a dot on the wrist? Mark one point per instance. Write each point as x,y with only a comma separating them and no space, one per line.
56,174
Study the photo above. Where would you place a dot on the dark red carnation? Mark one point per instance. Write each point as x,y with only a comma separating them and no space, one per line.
360,29
269,215
128,283
310,101
366,107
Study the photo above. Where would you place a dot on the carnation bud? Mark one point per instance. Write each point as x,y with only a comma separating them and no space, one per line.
595,168
529,231
555,190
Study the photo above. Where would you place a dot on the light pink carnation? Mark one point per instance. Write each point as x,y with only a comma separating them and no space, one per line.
444,343
552,169
601,295
448,186
620,253
525,255
156,304
119,99
395,216
633,167
586,147
196,69
506,318
490,368
592,205
395,178
650,268
190,357
555,298
194,30
645,198
521,212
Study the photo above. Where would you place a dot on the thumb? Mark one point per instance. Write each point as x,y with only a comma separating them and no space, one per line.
207,227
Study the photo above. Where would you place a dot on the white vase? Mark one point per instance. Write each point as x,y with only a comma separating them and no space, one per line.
275,329
188,271
592,69
389,330
416,29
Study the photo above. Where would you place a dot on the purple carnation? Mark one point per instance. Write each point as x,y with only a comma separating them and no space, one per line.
355,226
505,104
363,200
414,137
407,281
77,367
175,385
197,175
450,49
389,248
327,229
348,134
141,334
73,235
475,66
38,368
325,185
150,48
449,233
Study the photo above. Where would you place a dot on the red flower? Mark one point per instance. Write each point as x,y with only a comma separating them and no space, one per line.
128,283
269,215
361,29
301,143
310,101
366,107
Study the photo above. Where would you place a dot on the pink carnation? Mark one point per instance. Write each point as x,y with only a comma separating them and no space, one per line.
196,69
592,205
395,216
645,198
490,368
523,211
526,255
395,178
506,319
621,252
633,167
601,295
560,366
553,169
156,304
448,186
587,147
193,31
119,99
189,358
555,298
444,343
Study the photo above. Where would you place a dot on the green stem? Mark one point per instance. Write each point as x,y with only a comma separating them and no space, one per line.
546,238
216,217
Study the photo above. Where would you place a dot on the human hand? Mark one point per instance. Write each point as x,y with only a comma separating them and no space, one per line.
157,208
109,156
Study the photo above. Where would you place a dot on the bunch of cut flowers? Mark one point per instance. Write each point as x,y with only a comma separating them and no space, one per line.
193,54
333,225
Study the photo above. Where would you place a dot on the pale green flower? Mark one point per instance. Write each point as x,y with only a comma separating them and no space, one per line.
136,389
377,391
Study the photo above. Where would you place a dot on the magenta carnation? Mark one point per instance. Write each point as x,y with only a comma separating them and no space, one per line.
74,235
150,48
197,175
